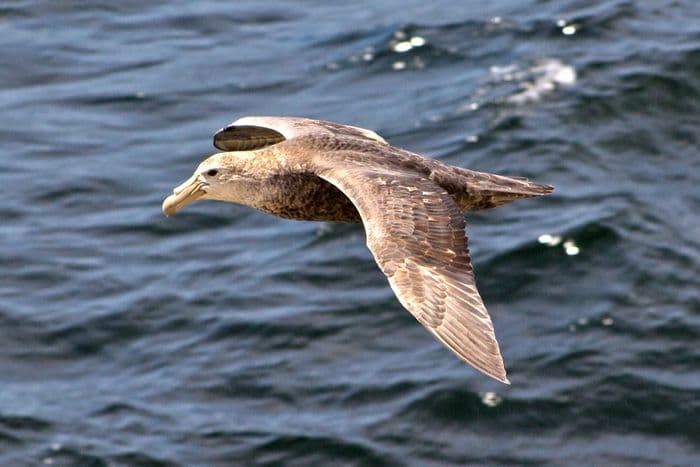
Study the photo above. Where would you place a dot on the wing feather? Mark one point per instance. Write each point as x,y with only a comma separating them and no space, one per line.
416,233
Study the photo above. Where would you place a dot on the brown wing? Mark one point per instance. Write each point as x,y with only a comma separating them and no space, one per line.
416,234
250,133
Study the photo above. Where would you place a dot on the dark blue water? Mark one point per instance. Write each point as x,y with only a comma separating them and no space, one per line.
224,336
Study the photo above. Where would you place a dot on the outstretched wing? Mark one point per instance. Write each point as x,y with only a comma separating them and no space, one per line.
249,133
416,234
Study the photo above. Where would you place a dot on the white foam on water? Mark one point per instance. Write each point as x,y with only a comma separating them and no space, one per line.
543,77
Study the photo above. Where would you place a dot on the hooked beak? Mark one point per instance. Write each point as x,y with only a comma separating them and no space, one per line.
187,193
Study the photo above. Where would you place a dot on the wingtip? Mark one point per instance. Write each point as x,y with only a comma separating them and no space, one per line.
502,377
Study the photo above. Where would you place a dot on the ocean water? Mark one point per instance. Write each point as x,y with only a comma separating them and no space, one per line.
224,336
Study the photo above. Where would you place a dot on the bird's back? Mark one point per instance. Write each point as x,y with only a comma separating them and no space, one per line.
470,189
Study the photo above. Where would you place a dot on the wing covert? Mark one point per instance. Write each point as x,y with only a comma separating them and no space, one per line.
416,233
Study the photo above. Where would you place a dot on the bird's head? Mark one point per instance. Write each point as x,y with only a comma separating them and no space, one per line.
219,177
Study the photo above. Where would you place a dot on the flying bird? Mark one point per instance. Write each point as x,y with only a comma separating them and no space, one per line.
412,209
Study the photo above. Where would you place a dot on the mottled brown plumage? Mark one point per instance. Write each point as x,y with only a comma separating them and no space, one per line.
412,209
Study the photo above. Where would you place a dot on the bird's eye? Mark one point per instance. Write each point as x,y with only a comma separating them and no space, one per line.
212,172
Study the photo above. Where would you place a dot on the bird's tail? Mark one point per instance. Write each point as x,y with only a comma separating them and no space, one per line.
474,191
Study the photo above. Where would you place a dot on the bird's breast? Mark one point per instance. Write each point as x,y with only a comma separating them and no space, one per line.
305,196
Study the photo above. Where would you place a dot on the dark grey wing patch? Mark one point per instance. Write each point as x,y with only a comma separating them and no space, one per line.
246,138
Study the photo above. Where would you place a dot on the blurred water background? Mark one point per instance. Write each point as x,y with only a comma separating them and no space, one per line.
224,336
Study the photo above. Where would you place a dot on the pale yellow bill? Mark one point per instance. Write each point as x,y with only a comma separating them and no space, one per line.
185,194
